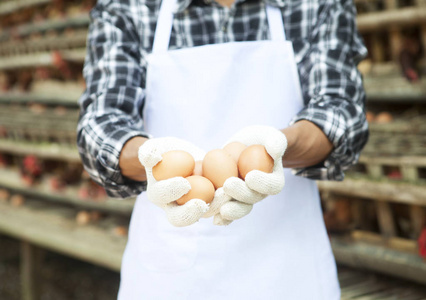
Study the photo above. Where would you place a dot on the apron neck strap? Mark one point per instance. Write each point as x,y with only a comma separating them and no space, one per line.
276,23
166,16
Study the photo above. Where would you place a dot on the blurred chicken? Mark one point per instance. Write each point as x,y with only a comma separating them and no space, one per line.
408,58
65,175
422,243
31,169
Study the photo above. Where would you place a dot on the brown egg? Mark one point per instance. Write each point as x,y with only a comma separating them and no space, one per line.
121,230
255,157
198,168
383,117
234,149
174,163
369,116
4,195
17,200
218,166
201,188
82,217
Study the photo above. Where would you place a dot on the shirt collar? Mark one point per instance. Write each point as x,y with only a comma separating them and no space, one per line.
183,4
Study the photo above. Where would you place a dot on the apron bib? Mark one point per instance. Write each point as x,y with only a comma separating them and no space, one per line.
204,95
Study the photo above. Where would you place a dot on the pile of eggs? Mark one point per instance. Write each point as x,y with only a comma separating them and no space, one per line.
206,176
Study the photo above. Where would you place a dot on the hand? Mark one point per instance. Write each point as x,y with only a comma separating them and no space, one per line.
164,193
257,185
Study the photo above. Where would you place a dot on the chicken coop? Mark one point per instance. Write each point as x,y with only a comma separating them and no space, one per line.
376,217
47,201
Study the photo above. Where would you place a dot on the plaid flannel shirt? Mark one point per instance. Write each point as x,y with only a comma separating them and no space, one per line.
327,49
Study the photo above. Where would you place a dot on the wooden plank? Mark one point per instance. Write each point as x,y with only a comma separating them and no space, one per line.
396,243
418,219
396,40
412,128
56,230
366,287
13,6
58,99
75,55
30,266
378,258
13,48
399,192
401,17
43,151
10,179
40,59
409,173
377,50
375,170
403,161
396,88
390,70
82,20
394,32
377,286
385,218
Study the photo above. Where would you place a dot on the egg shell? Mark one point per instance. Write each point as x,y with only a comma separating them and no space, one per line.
174,163
201,188
384,117
370,116
234,149
82,217
255,157
218,166
198,168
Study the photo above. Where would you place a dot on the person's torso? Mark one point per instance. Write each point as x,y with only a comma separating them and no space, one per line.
205,94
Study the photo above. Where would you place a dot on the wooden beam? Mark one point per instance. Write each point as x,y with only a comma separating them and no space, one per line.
51,151
398,192
382,20
40,59
55,229
30,268
11,180
396,243
380,258
418,220
15,5
385,218
394,32
82,20
396,88
377,50
409,161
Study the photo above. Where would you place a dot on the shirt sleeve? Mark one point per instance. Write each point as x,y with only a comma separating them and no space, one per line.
333,89
110,107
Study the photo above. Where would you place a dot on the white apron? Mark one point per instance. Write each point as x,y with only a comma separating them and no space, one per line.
281,249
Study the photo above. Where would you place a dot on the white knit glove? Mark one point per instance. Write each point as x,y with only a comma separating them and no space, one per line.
257,184
164,193
220,198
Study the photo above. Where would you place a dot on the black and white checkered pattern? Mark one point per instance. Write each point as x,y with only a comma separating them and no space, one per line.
327,49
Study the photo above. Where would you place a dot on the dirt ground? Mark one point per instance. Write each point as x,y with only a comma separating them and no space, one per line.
62,278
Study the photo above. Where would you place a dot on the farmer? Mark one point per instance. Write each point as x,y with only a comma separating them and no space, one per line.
193,75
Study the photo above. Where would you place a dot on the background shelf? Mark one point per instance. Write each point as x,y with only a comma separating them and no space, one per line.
54,228
11,180
9,7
